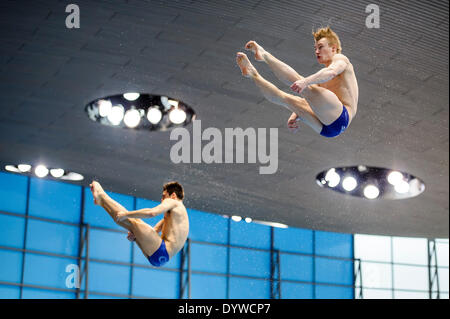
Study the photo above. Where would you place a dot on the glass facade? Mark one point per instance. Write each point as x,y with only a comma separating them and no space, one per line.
50,232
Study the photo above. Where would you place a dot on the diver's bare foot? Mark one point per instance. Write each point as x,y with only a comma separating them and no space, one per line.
247,69
256,49
97,192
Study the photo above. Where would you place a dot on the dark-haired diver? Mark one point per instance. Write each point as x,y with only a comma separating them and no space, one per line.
330,96
174,226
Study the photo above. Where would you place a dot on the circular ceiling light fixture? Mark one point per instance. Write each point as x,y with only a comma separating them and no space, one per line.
371,182
140,111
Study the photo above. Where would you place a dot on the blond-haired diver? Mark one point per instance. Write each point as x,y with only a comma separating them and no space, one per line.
328,99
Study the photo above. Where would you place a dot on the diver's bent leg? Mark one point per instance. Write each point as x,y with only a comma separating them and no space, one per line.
325,104
294,103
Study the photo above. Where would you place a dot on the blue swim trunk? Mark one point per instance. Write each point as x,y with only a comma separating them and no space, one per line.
338,126
159,257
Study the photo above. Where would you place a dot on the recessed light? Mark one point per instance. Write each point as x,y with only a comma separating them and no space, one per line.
271,224
394,177
132,118
371,191
131,96
332,178
349,183
116,114
104,107
71,176
24,168
401,187
177,116
41,171
12,168
154,115
57,172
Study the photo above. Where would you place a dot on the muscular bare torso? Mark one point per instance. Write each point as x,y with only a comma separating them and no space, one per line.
175,229
345,87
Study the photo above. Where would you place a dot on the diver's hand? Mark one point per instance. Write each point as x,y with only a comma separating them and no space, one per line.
292,123
131,236
299,86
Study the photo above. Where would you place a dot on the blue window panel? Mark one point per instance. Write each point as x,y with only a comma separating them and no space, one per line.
9,292
108,278
293,240
333,292
13,193
146,203
291,290
46,271
334,244
108,245
208,287
334,271
139,259
10,266
243,288
96,216
209,258
295,267
250,235
212,228
11,231
155,283
55,200
32,293
52,237
248,262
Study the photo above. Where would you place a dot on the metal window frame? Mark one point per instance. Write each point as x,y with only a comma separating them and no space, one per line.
433,275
